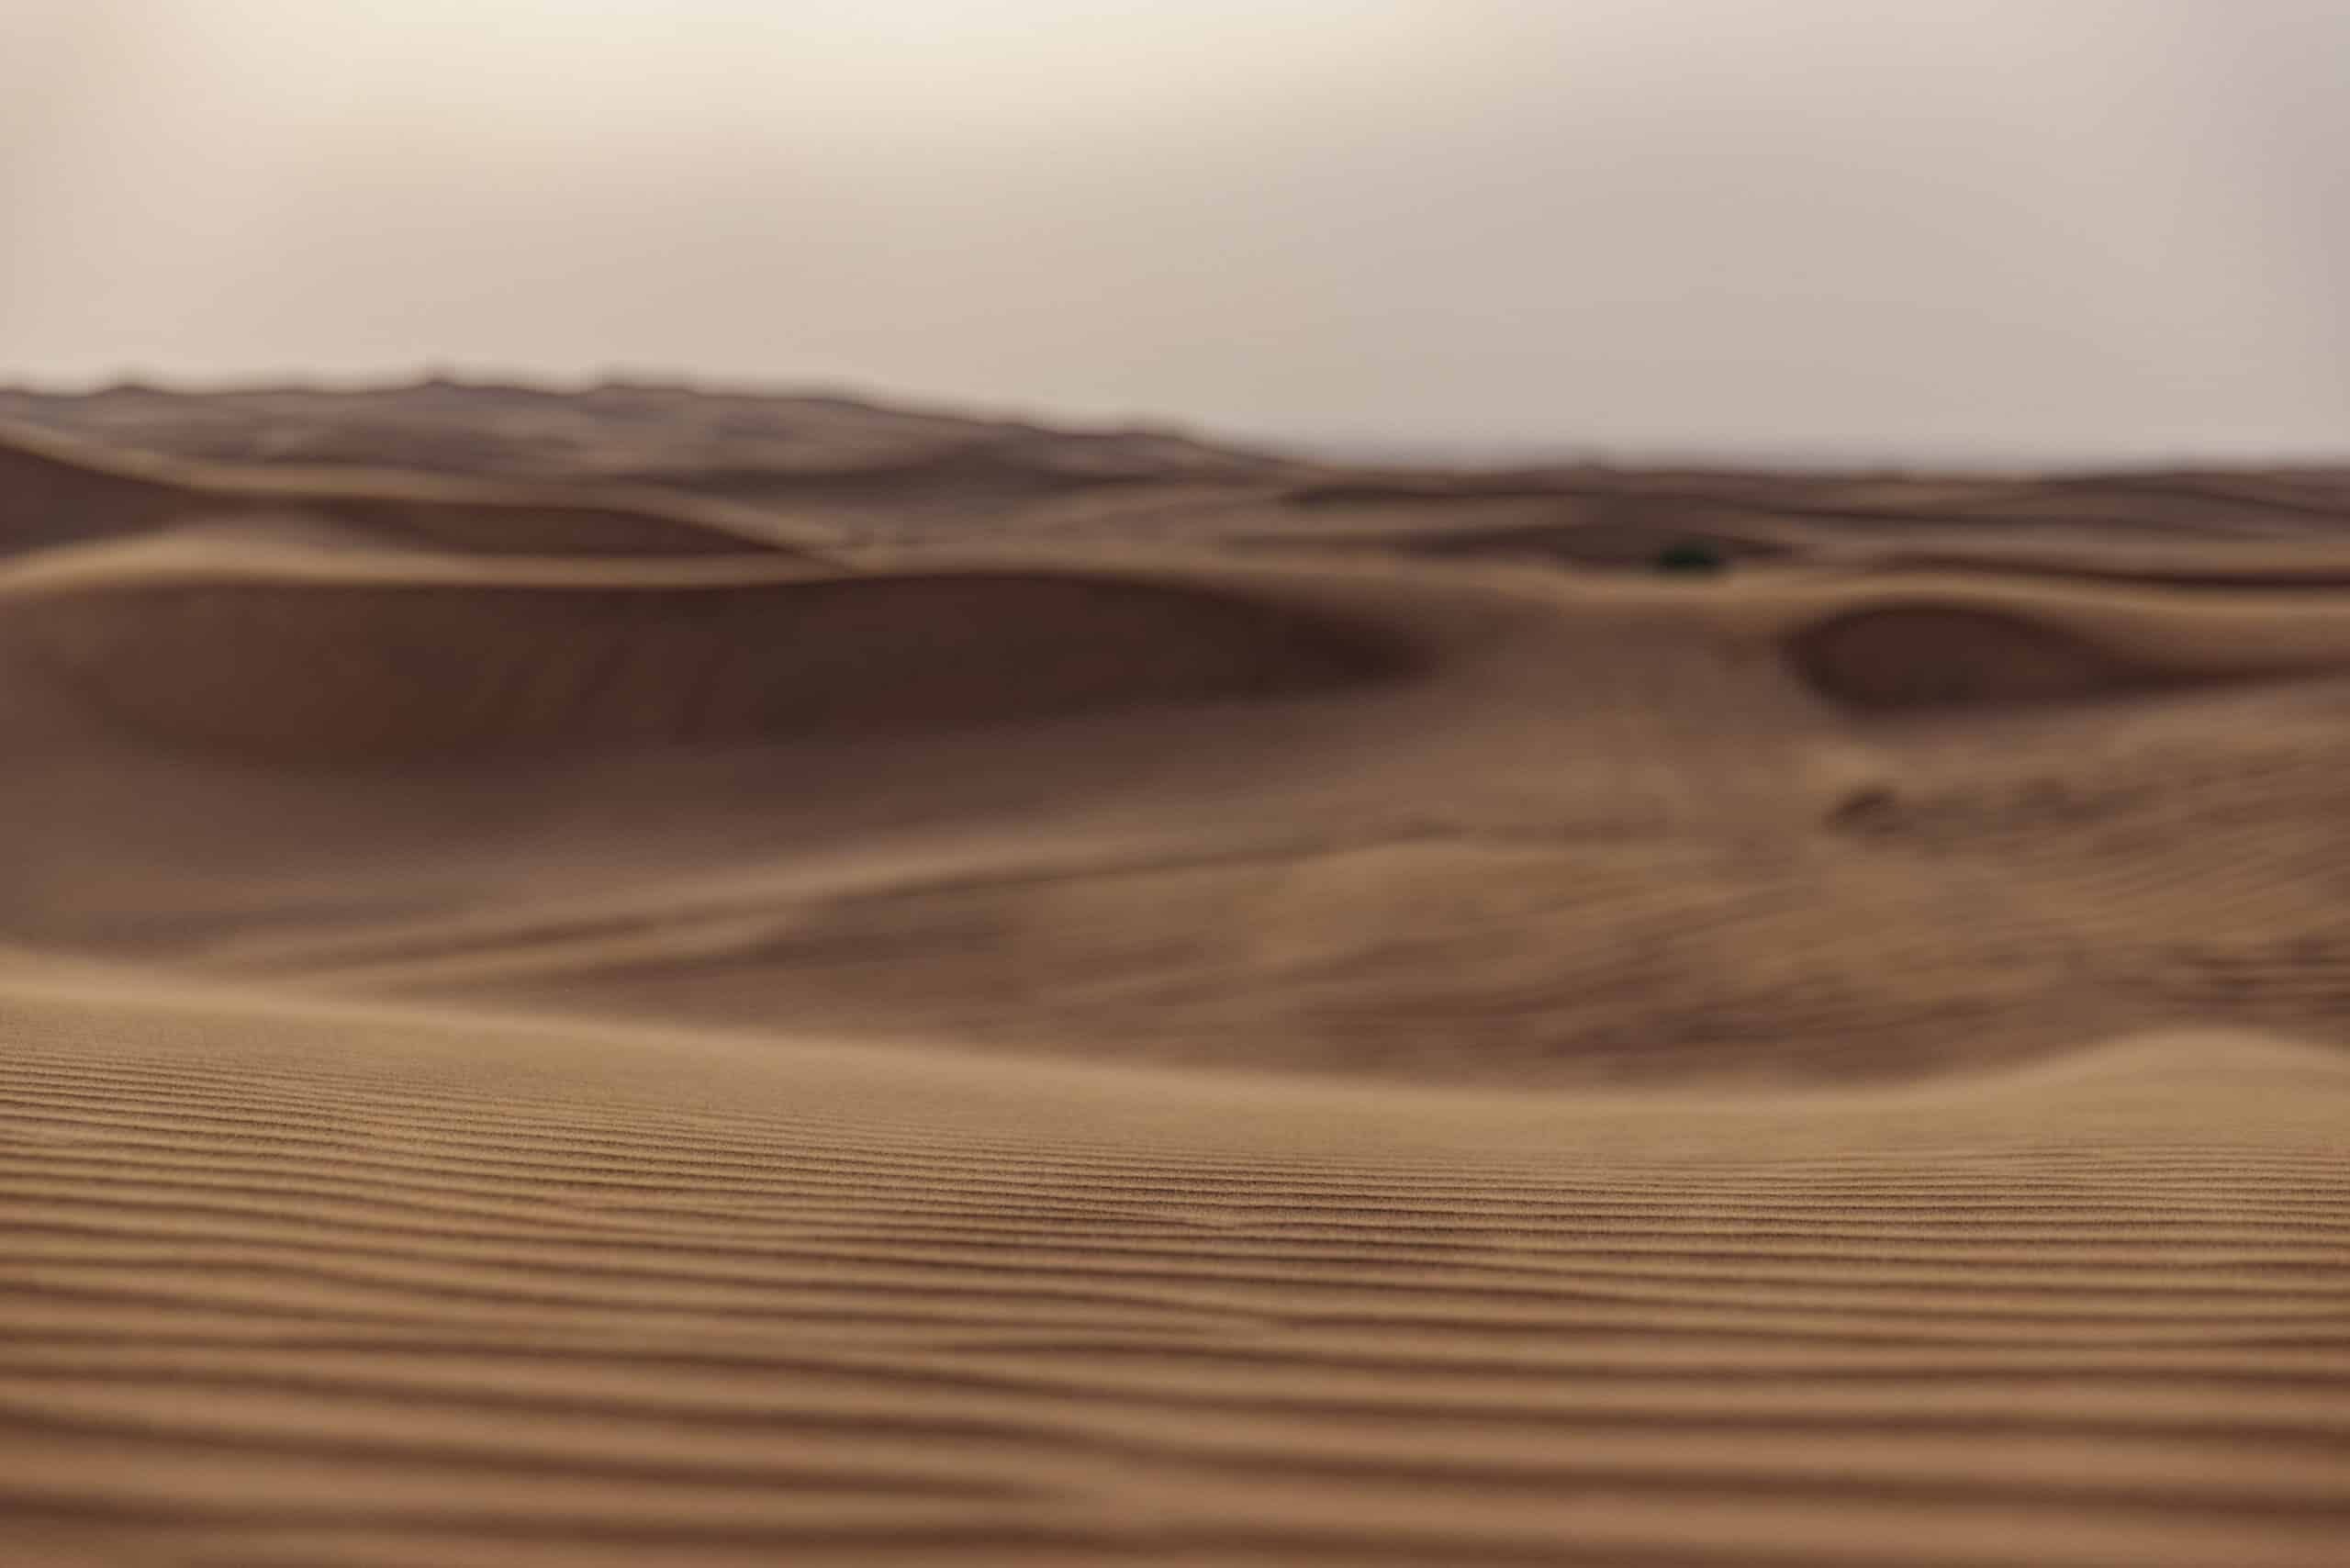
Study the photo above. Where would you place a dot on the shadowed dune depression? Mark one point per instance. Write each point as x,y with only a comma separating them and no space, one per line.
319,670
549,1025
1899,657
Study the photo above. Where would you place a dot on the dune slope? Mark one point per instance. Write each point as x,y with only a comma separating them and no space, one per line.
1462,824
536,1028
288,1287
305,671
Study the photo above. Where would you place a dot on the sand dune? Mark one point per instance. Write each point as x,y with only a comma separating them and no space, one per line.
1927,654
1464,825
828,460
382,669
55,491
829,463
321,1287
540,1027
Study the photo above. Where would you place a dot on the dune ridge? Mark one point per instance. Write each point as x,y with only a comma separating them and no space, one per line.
57,491
829,462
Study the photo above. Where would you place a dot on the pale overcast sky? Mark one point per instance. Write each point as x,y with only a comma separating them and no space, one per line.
2004,229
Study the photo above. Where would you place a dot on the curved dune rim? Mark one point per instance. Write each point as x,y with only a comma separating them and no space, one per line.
394,572
216,485
203,549
1410,599
208,555
2219,568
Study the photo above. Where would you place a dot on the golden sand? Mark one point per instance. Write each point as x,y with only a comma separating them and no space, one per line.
557,1023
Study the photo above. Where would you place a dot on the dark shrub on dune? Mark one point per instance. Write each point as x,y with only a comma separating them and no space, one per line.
1691,558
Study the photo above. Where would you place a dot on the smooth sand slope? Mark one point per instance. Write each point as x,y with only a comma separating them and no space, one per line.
1058,1053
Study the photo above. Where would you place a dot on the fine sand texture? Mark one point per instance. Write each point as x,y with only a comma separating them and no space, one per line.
743,979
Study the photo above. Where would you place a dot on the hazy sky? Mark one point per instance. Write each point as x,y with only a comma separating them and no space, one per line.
1998,228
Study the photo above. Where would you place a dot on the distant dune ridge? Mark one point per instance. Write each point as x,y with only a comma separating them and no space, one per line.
647,974
60,491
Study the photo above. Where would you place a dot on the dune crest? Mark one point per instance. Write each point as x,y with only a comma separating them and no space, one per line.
57,491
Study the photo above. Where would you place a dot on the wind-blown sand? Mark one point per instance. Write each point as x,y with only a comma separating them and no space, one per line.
722,1036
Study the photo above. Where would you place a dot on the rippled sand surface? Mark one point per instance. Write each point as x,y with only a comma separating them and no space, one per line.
658,977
